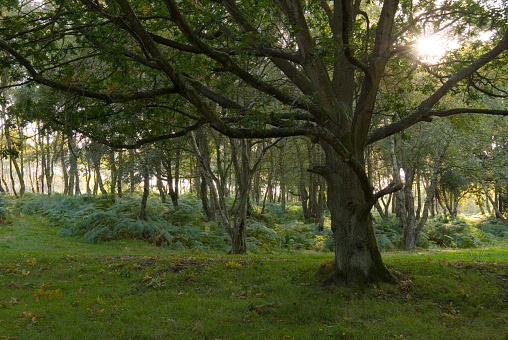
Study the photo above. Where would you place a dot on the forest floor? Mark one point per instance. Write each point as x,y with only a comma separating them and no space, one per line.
54,287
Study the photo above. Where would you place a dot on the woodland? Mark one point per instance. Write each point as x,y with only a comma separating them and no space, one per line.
248,126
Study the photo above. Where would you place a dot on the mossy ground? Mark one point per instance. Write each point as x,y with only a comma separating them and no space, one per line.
53,287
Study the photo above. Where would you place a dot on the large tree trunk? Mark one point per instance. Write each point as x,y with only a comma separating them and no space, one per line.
357,256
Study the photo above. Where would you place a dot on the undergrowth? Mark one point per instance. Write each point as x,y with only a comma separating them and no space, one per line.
105,217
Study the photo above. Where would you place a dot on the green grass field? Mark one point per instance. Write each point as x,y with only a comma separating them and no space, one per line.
54,287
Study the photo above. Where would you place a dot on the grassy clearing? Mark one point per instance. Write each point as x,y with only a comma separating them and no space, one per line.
54,287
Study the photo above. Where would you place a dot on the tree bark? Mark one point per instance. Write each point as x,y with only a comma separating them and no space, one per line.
96,159
304,196
73,161
499,214
19,170
114,173
63,163
160,184
357,256
120,167
146,184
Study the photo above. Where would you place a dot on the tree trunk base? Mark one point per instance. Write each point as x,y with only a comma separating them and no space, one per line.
333,276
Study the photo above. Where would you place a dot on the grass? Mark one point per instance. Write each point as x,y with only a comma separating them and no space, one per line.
53,287
497,251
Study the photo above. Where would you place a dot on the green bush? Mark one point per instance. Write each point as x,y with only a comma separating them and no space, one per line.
102,218
454,232
494,227
388,232
4,211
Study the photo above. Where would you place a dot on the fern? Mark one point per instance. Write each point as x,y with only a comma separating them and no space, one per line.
384,243
4,203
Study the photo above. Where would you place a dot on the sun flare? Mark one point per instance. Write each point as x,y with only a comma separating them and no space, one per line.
433,47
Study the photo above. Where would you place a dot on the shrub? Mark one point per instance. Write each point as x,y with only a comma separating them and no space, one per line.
388,232
4,203
493,227
455,233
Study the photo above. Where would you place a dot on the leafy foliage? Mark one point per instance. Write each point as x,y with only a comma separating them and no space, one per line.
103,218
3,208
441,231
388,233
494,227
455,232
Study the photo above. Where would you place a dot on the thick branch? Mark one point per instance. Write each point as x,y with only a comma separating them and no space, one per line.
391,188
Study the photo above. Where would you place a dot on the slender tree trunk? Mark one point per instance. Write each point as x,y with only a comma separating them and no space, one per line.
114,174
42,149
96,159
63,161
146,184
267,190
499,214
409,218
30,178
204,149
132,184
313,181
17,167
302,190
487,205
173,193
320,219
419,197
73,162
120,168
13,183
205,203
176,185
217,197
282,183
3,175
160,183
410,242
88,177
51,156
